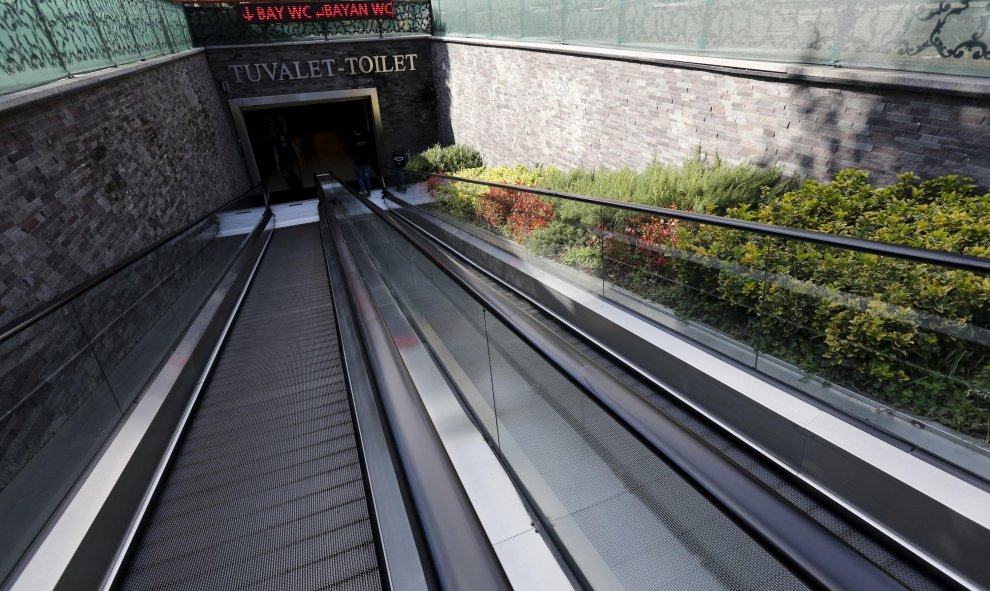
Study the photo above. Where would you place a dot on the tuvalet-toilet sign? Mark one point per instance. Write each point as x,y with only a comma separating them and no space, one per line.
323,68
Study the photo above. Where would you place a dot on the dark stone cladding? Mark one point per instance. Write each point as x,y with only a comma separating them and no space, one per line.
92,177
524,106
407,99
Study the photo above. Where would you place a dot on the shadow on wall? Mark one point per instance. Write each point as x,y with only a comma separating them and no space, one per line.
844,125
835,125
886,133
821,129
441,81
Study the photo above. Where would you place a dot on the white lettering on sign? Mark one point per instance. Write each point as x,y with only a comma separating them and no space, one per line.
325,68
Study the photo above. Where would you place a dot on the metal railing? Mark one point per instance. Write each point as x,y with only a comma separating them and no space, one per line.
45,40
921,255
221,25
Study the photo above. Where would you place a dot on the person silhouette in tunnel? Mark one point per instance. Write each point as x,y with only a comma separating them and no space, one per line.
362,152
287,162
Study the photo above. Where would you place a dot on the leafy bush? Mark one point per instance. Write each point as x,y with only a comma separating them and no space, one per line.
699,184
510,175
445,159
494,206
418,163
947,213
462,199
516,213
555,239
586,257
913,335
529,213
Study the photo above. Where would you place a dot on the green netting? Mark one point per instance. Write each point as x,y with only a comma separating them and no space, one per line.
933,36
44,40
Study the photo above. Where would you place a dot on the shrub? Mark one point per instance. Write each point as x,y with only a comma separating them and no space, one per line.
529,213
653,235
586,257
909,334
494,206
516,213
418,163
522,176
700,184
463,200
947,213
445,159
554,239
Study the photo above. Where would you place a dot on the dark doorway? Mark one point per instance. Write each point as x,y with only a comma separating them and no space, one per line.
317,135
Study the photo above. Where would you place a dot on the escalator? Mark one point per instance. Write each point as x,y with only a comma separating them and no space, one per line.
323,448
622,514
267,488
626,518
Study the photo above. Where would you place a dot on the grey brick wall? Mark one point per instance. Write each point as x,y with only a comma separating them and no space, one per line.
407,99
535,107
92,177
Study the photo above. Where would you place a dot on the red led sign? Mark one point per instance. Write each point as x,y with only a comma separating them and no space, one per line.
304,12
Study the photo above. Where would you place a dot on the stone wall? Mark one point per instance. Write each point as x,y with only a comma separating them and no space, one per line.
406,97
527,106
91,177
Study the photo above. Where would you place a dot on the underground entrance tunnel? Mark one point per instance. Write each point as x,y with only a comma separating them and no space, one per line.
318,135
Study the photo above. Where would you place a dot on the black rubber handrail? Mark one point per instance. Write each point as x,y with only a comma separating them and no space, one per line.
403,566
816,554
43,310
921,255
461,553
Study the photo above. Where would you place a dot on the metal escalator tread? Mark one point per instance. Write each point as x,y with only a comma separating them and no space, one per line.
267,490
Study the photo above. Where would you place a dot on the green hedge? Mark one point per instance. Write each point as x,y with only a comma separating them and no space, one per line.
445,159
700,184
912,335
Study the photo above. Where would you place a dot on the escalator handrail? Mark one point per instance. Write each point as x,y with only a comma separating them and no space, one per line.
43,310
461,552
937,258
810,549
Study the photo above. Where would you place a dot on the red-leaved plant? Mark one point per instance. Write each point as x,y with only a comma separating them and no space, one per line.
433,182
654,234
529,213
495,206
520,213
